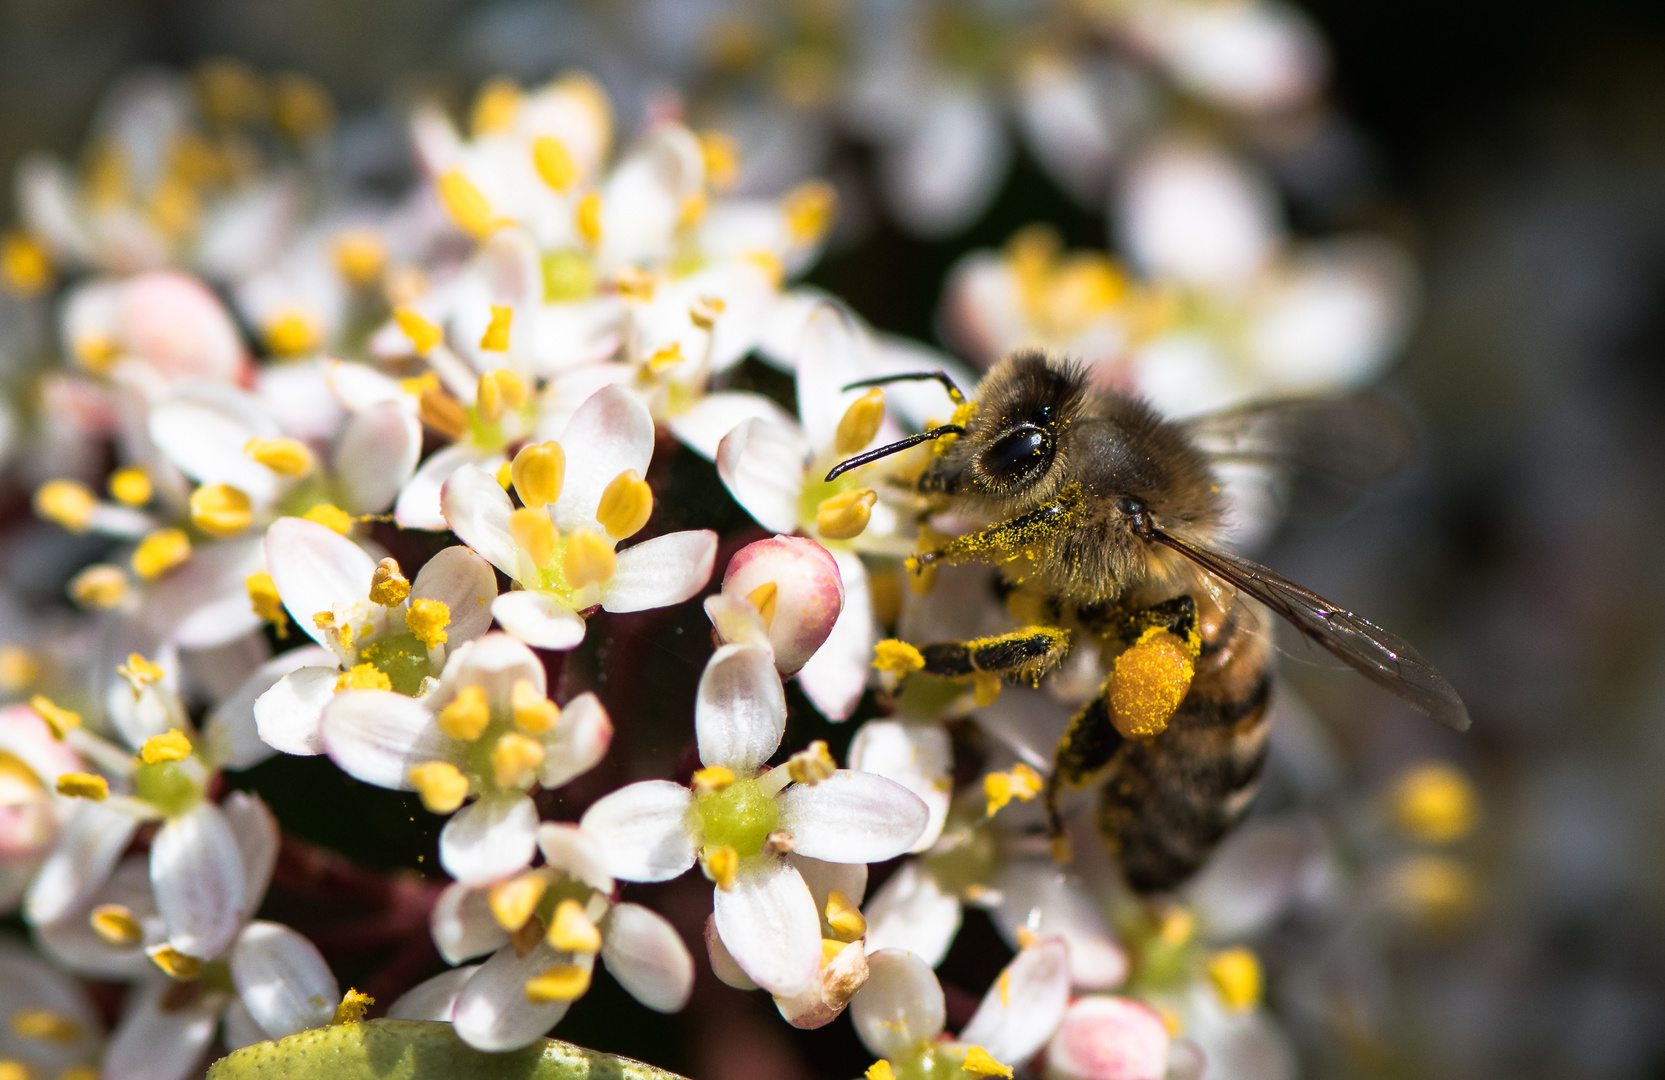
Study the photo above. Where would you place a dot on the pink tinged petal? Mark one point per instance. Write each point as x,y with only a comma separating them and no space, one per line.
660,572
912,912
768,921
477,509
283,979
421,504
703,426
646,955
151,1043
723,964
315,568
197,872
762,465
256,833
823,877
916,754
647,830
465,583
177,324
489,839
575,853
86,852
434,999
809,593
852,817
463,925
376,456
377,735
239,1028
289,717
900,1007
1108,1038
234,732
740,710
1037,897
1023,1007
538,619
492,1012
610,432
736,621
834,678
579,741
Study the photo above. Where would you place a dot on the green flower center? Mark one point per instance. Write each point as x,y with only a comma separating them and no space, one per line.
167,786
402,658
740,816
567,276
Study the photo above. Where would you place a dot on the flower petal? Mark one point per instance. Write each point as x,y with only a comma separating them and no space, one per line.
916,754
740,712
377,735
912,912
646,955
610,432
282,979
239,1028
762,465
256,833
578,743
315,568
494,662
86,852
421,504
660,572
823,877
434,999
900,1007
852,817
645,830
809,593
834,678
477,509
233,734
722,964
769,924
153,1043
703,426
492,1012
463,925
290,715
575,853
465,583
489,839
1109,1038
197,872
538,619
376,456
1023,1007
1037,897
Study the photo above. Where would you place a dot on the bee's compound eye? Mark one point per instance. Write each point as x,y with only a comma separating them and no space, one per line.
1020,451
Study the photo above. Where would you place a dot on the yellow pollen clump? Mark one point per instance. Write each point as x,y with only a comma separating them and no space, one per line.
563,982
722,866
441,785
590,559
422,333
1149,682
176,964
24,266
859,423
171,745
363,677
512,902
115,925
139,672
160,552
979,1062
496,337
131,485
1434,803
290,333
495,107
68,503
712,779
844,916
353,1006
665,357
61,720
572,930
763,599
896,657
388,585
515,760
534,533
427,619
18,668
809,210
264,599
442,412
331,517
985,688
100,587
1000,788
16,1070
588,218
45,1025
845,515
722,158
467,715
812,764
880,1070
286,457
466,204
538,471
625,506
555,166
534,713
80,785
1235,974
359,255
221,510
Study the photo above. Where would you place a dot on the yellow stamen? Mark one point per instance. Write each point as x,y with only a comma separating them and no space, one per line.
264,599
895,657
665,357
363,677
360,256
588,218
763,599
139,672
590,559
722,158
427,619
331,517
171,745
24,266
1025,938
880,1070
1235,974
1176,928
290,333
495,107
219,510
466,204
812,764
1434,803
352,1008
712,779
625,506
160,552
979,1062
534,713
693,208
830,948
534,533
45,1025
68,503
505,476
441,785
555,166
176,964
442,412
300,106
809,210
80,785
61,720
563,982
1439,891
572,930
538,471
515,760
1148,683
634,283
845,515
496,337
705,311
769,263
722,866
131,485
422,333
100,587
286,457
74,1072
18,668
388,585
844,917
859,423
512,902
1000,788
115,925
467,715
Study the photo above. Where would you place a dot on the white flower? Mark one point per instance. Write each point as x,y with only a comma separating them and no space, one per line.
52,1027
32,815
783,594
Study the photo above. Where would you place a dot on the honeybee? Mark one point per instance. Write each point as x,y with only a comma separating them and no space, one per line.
1107,523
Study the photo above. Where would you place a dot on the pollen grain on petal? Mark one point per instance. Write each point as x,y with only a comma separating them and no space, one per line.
428,619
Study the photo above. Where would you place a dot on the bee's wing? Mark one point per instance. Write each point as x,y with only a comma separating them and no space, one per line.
1383,658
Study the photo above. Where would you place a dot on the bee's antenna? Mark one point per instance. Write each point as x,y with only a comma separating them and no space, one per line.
914,376
896,447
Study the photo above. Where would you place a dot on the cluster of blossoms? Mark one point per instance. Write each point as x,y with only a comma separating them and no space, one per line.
325,474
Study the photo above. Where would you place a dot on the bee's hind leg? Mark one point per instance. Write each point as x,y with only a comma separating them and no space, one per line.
1082,756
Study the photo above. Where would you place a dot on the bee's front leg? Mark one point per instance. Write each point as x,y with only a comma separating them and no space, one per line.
1029,654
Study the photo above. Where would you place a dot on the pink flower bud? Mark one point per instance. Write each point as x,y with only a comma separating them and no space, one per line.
174,323
30,761
1108,1038
795,585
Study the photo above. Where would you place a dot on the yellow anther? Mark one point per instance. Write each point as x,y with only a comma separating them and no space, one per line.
422,333
1434,803
1025,938
171,745
131,485
895,657
712,779
68,503
264,599
693,208
495,107
1235,974
1438,891
441,785
388,585
290,333
555,166
880,1070
830,948
352,1008
24,266
427,619
360,255
812,764
80,785
979,1062
985,688
139,672
505,475
515,760
18,668
665,357
363,677
722,866
1000,788
722,158
809,210
844,917
588,218
634,283
1176,927
176,964
533,713
219,510
286,457
99,587
512,902
625,506
74,1072
442,412
538,471
1149,682
763,599
563,982
331,517
572,930
590,559
859,423
467,714
61,720
161,551
534,533
466,204
16,1070
506,391
769,263
301,106
45,1025
845,515
496,337
115,925
705,311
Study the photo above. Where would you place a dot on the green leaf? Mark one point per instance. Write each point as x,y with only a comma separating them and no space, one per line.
417,1050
